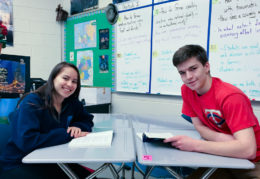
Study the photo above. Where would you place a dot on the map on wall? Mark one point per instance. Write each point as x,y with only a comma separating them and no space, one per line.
85,66
85,35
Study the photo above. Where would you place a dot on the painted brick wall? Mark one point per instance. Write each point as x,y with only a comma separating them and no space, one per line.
36,34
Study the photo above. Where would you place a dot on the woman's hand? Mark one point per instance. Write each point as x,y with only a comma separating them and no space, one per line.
83,134
76,132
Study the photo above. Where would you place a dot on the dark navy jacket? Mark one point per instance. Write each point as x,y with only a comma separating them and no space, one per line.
34,127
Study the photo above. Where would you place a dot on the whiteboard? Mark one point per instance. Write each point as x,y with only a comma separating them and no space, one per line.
147,37
234,44
133,4
175,24
133,51
228,29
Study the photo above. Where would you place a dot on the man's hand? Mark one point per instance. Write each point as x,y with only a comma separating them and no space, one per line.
182,142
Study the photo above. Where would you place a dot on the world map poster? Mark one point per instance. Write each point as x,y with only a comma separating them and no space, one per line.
85,35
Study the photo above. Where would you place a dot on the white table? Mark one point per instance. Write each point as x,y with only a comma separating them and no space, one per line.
166,156
122,150
111,121
156,122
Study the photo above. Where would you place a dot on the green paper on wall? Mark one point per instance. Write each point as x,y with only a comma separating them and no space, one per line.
89,45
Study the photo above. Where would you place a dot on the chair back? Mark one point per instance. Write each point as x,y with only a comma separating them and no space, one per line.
5,133
7,105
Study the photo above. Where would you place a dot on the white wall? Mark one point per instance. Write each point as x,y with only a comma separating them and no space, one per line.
104,3
145,104
36,34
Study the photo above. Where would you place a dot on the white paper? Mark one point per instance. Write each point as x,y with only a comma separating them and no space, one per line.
71,56
94,139
96,95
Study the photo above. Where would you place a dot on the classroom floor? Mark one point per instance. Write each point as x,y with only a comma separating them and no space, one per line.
106,174
158,172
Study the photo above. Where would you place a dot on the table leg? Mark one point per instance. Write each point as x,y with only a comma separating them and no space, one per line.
208,173
68,171
97,171
138,168
148,171
122,167
123,172
113,170
173,173
133,171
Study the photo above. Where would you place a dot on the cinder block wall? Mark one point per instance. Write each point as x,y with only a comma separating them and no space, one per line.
37,34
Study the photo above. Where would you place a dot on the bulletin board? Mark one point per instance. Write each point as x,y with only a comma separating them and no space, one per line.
89,44
149,32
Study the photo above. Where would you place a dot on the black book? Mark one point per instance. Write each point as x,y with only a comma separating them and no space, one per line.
155,137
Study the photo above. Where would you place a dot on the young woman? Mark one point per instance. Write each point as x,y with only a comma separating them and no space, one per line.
49,116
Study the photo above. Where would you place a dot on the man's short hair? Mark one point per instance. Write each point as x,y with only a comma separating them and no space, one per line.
188,51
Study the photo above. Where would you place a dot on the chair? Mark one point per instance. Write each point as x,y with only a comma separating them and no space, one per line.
7,105
187,118
5,133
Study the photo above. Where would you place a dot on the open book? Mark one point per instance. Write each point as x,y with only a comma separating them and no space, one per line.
93,139
154,137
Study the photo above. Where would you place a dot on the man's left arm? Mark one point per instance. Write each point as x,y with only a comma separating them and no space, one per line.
243,145
209,134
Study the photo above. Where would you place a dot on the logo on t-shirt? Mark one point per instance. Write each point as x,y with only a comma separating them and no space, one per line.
215,117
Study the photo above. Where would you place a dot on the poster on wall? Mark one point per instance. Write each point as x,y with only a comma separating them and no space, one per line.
85,66
6,16
78,6
85,35
119,1
103,38
103,64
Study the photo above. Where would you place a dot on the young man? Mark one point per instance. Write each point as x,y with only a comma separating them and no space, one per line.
219,111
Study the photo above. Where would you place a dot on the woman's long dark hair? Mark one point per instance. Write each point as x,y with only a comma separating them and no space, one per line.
47,90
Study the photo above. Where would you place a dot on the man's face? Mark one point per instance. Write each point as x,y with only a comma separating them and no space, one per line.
194,75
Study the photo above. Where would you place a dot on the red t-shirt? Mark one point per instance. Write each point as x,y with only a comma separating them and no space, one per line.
224,108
